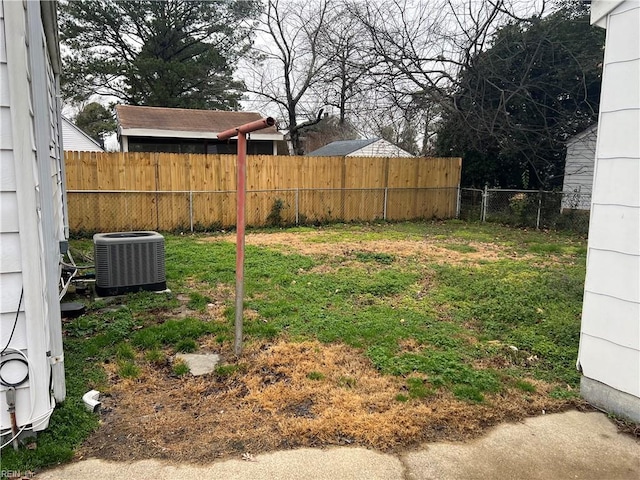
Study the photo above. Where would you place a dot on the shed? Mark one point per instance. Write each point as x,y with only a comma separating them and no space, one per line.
182,130
578,170
76,140
609,354
370,147
32,203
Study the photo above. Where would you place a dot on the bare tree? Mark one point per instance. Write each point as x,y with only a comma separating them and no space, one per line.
418,49
424,45
288,60
389,64
346,78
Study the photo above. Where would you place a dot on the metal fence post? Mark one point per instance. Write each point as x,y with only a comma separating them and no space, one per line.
384,205
539,208
485,201
191,210
297,201
459,202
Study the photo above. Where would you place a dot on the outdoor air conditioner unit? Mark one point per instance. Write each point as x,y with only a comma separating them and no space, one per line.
129,262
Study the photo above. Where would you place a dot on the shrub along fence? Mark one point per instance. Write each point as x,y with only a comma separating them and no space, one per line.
162,191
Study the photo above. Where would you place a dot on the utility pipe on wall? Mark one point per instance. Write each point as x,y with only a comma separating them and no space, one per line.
241,133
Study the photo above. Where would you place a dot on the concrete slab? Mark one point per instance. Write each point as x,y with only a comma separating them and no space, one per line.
570,445
310,464
200,363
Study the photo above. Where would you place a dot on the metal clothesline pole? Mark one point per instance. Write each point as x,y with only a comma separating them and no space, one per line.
241,179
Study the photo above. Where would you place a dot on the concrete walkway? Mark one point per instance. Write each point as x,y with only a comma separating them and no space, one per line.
570,445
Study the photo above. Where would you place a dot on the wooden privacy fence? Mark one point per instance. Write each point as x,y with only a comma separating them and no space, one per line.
164,191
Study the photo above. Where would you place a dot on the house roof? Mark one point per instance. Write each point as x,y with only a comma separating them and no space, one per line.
341,148
182,122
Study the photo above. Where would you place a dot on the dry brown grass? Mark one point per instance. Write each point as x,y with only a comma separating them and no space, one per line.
427,248
286,395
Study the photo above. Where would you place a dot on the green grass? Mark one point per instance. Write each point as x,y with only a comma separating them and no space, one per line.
226,370
124,351
418,388
198,301
180,368
187,345
467,314
176,333
128,369
460,247
315,376
525,386
155,356
383,258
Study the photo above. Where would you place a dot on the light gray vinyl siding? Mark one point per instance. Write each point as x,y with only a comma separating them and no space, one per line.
55,149
578,170
76,140
10,263
380,148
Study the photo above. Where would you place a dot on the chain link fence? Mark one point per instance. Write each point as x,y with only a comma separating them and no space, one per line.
527,208
103,210
93,211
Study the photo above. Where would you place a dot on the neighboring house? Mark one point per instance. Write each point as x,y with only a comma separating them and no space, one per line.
76,140
328,129
609,355
578,170
181,130
33,215
371,147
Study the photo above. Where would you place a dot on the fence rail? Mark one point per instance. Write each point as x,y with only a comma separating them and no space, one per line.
188,210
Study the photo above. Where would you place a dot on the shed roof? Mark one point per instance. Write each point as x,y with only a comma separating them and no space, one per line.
184,119
342,148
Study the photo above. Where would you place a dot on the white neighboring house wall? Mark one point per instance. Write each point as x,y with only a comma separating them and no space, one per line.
33,212
609,356
76,140
380,148
578,170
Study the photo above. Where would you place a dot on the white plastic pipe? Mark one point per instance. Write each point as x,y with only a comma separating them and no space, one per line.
90,400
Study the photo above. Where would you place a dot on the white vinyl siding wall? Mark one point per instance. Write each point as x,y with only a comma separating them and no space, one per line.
32,207
77,141
578,170
10,253
380,148
610,333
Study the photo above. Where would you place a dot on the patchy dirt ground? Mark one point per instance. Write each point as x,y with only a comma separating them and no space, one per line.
286,394
319,243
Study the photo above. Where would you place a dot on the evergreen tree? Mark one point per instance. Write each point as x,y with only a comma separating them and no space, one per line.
518,101
96,121
173,53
